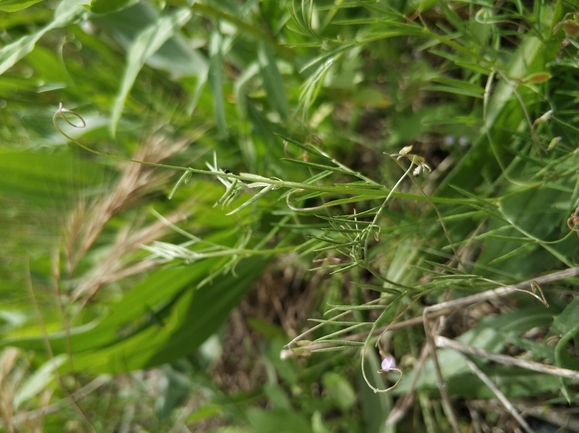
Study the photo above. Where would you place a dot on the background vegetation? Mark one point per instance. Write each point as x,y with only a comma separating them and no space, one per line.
279,186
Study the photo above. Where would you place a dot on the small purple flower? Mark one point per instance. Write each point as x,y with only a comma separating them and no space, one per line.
388,363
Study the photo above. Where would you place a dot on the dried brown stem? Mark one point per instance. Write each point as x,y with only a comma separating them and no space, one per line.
500,396
405,402
137,180
506,360
111,269
430,333
55,407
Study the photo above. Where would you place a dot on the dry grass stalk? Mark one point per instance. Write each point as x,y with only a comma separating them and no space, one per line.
506,360
88,220
112,268
10,377
84,226
497,392
566,418
468,301
137,180
406,401
39,414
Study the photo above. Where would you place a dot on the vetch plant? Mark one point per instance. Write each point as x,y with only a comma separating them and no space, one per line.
438,266
358,238
356,230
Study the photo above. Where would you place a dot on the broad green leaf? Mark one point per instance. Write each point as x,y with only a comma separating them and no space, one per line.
67,12
520,321
339,390
43,179
277,421
145,45
144,298
529,214
129,340
188,322
567,320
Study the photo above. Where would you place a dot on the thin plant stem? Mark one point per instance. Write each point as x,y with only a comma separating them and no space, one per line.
257,181
497,392
38,314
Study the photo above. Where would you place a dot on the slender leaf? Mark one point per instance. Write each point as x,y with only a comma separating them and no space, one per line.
67,12
145,44
16,5
216,81
273,81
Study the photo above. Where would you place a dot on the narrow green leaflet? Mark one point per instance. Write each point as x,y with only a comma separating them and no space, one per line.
216,81
67,12
38,381
459,90
183,180
272,80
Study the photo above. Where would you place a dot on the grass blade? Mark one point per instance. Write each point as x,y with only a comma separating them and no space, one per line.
145,45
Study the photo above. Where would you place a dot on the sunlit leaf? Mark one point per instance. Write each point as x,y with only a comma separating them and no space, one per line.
67,12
